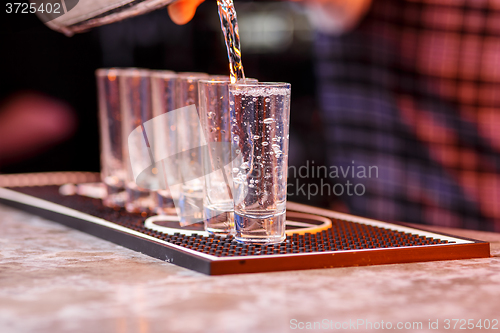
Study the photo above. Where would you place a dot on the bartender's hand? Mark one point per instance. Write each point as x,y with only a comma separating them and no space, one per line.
182,11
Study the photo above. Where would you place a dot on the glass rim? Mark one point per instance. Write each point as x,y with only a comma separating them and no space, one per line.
212,81
118,70
163,74
192,75
135,72
105,71
261,84
228,81
219,77
111,70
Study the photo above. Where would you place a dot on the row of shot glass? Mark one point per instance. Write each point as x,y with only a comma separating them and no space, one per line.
198,147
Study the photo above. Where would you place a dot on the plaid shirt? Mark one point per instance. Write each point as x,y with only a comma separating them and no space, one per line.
415,90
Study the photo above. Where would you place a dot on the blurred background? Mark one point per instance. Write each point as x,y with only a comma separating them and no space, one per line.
277,46
411,87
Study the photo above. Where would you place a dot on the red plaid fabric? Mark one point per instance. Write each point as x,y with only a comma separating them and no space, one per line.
415,90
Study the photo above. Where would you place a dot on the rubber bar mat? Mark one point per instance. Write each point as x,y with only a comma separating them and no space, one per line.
347,241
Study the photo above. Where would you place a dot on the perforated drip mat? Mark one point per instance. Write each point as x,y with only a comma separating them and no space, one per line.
344,240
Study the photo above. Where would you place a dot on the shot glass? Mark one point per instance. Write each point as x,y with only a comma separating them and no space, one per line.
190,139
163,92
140,166
218,204
260,116
110,130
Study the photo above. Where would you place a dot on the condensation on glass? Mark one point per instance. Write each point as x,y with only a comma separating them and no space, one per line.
218,204
260,116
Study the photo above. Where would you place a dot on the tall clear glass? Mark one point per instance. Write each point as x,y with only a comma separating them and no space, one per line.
190,138
136,107
218,206
260,115
110,129
163,90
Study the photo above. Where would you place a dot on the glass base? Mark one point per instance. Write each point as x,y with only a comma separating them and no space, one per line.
190,207
266,229
164,203
138,201
218,221
115,197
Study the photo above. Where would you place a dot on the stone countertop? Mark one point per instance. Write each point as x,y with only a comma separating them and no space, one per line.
55,279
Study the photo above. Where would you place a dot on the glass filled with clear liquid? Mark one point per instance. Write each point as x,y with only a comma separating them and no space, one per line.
214,115
260,115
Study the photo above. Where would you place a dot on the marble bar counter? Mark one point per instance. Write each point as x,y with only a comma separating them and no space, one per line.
55,279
